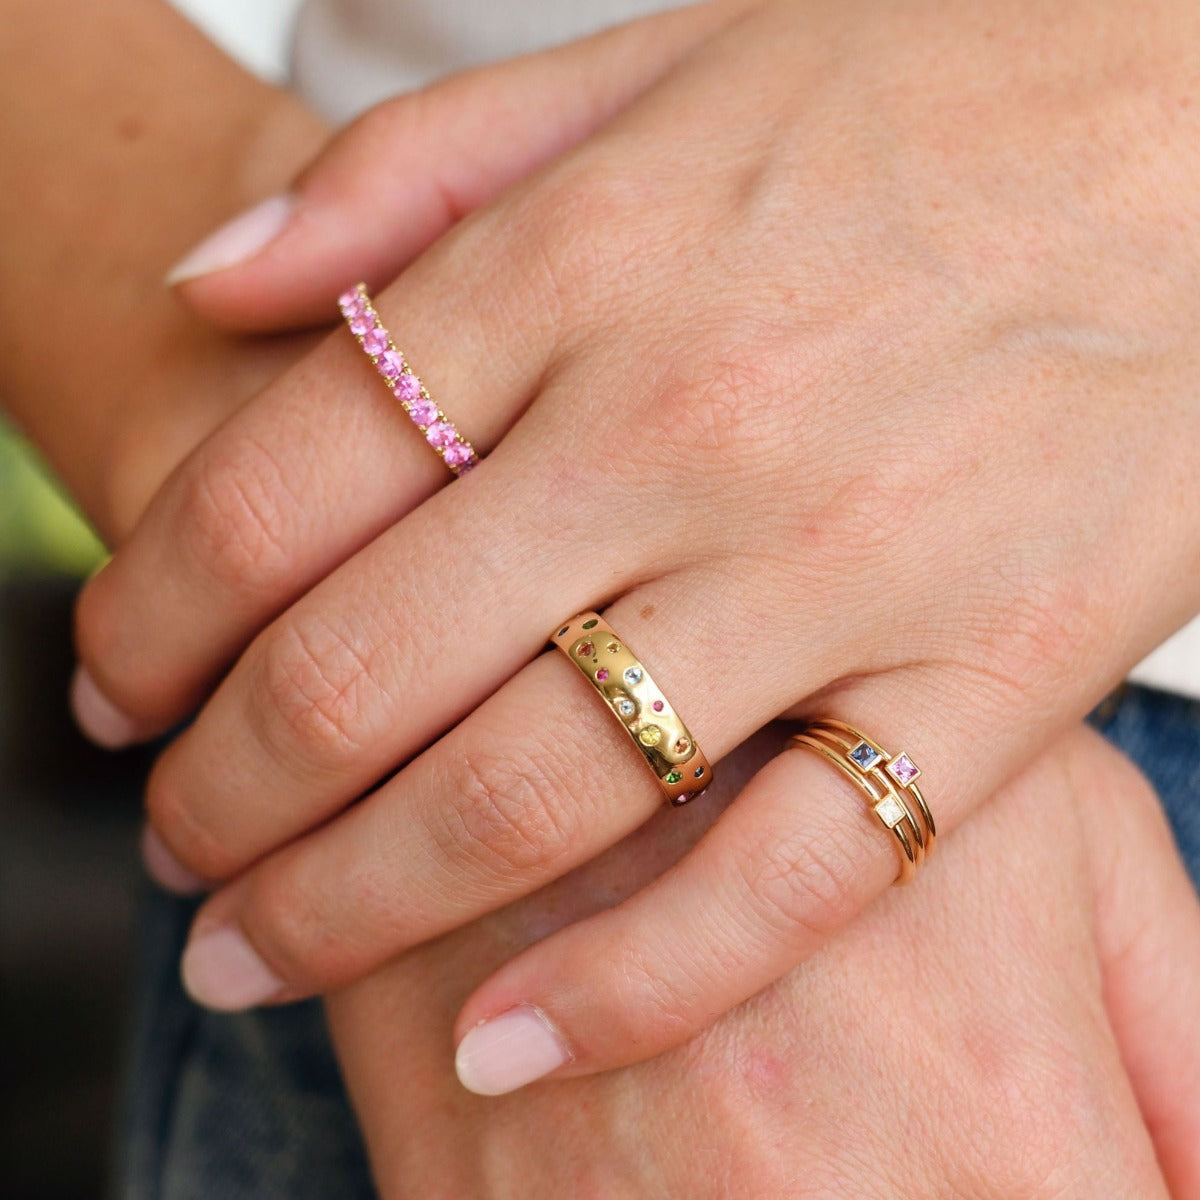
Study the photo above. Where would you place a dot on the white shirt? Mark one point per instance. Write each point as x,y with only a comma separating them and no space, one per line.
345,55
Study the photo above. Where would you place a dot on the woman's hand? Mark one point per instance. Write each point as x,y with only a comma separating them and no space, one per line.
989,1034
99,191
852,366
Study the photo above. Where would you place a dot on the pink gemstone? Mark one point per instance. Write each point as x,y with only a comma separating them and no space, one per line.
360,323
441,433
903,770
602,674
375,340
408,388
458,455
351,299
658,706
390,364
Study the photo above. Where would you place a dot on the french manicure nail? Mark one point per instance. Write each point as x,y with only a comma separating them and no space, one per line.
165,869
509,1051
221,970
99,718
236,241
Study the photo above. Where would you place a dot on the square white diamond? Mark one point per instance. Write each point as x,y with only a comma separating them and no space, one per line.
891,811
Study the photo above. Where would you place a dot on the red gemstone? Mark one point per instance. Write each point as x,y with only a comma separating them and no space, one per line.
586,650
602,674
658,706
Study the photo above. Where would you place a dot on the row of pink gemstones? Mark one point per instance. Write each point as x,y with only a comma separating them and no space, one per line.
405,386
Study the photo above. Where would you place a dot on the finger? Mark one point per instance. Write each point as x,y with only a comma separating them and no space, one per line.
537,780
398,178
791,862
1148,935
308,473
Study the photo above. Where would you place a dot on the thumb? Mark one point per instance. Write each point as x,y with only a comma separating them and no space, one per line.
397,178
1148,934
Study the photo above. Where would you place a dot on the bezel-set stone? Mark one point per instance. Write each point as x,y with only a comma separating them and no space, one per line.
891,811
585,649
865,757
903,770
602,674
673,777
651,735
634,675
626,707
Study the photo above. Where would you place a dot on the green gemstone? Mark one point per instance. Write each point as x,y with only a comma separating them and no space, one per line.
590,624
674,777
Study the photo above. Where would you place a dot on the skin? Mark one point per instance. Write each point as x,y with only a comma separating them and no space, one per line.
964,1038
180,380
916,394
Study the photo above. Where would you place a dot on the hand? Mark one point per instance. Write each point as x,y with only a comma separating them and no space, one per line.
819,364
99,190
989,1032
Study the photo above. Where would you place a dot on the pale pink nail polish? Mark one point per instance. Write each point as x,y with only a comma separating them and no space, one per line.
165,869
235,242
509,1051
221,970
99,718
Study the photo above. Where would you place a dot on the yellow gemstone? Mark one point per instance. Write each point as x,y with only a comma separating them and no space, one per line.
650,736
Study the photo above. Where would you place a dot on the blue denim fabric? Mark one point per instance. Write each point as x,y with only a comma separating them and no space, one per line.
1161,733
251,1107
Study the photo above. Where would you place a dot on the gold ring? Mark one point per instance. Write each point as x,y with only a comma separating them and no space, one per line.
889,781
655,728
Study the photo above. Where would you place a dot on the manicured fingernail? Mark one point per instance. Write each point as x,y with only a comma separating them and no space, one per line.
508,1052
236,241
165,869
99,718
221,970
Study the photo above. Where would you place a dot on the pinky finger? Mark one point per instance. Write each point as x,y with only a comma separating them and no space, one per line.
787,865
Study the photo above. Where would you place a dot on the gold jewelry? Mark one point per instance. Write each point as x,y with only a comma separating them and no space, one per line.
888,781
654,726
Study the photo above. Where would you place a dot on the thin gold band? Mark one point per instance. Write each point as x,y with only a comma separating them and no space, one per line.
623,682
888,781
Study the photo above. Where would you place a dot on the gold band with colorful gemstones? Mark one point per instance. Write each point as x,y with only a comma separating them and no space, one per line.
888,781
624,684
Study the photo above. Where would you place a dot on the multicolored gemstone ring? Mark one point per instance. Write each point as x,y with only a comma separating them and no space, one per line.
888,781
437,429
624,684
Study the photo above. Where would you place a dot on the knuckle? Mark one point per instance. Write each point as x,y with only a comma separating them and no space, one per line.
199,846
719,414
234,518
1032,641
294,929
507,813
321,689
801,886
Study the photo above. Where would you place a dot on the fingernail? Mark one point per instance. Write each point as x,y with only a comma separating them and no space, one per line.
165,869
236,241
221,970
99,718
508,1052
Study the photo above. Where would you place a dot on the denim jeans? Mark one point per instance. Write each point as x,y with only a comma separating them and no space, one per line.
251,1106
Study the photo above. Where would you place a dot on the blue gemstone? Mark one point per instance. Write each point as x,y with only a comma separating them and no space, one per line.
865,756
699,772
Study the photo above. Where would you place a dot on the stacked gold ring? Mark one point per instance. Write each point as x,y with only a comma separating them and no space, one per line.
623,682
888,781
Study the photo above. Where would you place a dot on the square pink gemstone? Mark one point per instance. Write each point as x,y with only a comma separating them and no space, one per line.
408,387
360,323
390,364
903,770
441,433
351,299
375,340
458,455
